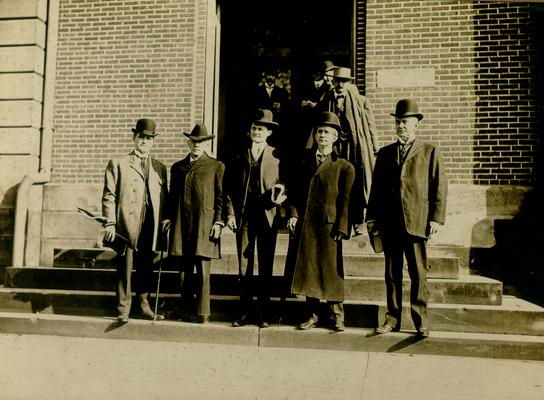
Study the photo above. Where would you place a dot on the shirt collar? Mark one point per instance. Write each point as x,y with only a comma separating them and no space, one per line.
139,154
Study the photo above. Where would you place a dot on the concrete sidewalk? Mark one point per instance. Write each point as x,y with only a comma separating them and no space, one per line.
53,367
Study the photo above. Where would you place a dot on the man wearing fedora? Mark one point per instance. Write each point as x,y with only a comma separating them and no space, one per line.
194,215
134,194
358,139
318,197
255,192
407,205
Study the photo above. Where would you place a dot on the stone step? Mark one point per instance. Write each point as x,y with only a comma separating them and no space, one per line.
502,346
446,267
468,289
514,316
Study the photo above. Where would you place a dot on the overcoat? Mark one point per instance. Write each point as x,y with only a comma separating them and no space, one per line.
319,198
360,147
194,204
237,182
123,196
418,187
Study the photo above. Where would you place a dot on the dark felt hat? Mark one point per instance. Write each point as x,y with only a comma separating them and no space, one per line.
199,133
325,66
407,108
265,117
145,126
328,118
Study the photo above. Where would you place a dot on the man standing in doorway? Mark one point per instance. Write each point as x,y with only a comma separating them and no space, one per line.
135,190
407,205
255,193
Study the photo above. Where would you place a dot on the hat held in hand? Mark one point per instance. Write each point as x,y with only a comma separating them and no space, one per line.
199,133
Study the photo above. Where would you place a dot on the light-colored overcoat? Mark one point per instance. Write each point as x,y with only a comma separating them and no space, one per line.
195,203
123,196
319,198
419,183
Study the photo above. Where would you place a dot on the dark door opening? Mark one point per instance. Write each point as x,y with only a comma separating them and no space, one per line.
290,35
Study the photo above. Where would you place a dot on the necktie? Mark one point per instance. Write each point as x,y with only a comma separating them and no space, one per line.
404,147
320,158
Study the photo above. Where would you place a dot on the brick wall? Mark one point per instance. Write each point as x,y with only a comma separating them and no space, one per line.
471,66
119,60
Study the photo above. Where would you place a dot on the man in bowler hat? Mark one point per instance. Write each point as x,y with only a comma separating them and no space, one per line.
255,192
407,205
134,194
194,214
318,197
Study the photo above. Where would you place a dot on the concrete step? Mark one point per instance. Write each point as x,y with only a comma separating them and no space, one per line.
353,339
469,289
361,264
514,316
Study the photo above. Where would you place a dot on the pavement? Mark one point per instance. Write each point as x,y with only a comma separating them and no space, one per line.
55,367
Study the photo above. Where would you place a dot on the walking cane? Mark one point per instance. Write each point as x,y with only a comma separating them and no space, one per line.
159,279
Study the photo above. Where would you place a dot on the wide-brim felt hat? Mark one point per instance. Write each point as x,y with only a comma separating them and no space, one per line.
265,117
342,73
199,133
327,118
407,108
145,126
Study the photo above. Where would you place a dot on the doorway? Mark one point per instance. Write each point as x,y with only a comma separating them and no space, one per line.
290,36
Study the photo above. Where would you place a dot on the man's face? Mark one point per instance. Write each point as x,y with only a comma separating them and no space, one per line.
325,136
143,143
197,148
340,85
328,78
270,78
406,128
259,133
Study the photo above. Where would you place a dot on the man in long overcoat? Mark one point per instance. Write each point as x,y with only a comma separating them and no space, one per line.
318,198
358,140
253,177
194,213
407,204
134,194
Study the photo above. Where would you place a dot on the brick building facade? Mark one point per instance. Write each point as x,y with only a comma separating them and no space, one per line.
474,67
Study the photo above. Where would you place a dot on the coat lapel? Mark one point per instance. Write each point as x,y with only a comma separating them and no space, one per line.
416,148
136,164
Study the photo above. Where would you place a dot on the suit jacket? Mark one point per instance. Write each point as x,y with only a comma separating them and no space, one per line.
415,191
194,204
279,96
319,198
123,196
237,183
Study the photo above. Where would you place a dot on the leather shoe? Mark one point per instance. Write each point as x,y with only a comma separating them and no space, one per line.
422,332
309,324
201,319
243,320
339,327
122,319
384,329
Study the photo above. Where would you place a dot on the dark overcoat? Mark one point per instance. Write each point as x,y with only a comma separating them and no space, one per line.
124,192
195,203
415,190
319,198
237,183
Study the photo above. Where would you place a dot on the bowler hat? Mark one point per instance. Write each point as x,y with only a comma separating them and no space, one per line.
325,66
342,73
328,118
264,117
199,133
407,108
145,126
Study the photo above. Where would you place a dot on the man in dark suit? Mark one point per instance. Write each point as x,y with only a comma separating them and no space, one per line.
318,197
135,190
253,185
194,210
407,204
